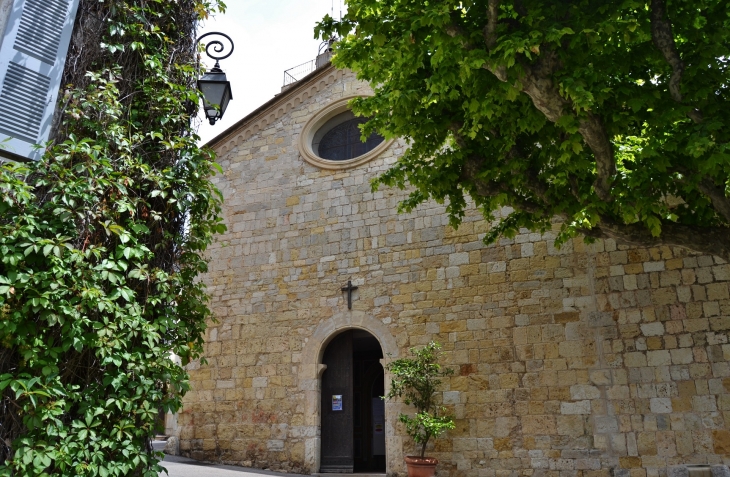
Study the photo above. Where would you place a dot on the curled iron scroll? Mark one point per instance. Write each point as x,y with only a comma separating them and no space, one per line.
217,46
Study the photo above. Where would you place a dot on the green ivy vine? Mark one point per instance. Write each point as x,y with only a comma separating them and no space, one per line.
101,244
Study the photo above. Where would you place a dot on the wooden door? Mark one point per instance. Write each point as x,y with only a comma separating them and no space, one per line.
337,407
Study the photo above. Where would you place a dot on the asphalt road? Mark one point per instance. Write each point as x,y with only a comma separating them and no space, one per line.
183,467
186,468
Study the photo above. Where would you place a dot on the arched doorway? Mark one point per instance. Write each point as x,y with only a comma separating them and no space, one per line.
352,413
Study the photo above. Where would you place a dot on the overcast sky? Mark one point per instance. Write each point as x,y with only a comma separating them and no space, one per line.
270,36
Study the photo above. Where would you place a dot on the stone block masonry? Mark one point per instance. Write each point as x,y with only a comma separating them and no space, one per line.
584,361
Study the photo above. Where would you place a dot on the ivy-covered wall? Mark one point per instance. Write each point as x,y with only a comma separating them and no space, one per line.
100,246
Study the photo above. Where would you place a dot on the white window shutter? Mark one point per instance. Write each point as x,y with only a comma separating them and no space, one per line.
32,58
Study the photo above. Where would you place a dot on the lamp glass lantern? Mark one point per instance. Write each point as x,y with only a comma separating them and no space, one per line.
216,91
214,86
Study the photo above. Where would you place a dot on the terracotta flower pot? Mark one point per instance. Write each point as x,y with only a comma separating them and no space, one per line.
421,466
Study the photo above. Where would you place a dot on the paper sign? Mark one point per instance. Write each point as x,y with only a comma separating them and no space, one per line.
337,402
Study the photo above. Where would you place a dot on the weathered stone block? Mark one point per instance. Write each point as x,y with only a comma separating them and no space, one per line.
653,266
720,471
583,391
606,424
658,358
539,425
579,407
661,405
677,471
652,329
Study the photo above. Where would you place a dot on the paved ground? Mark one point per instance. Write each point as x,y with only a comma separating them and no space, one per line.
183,467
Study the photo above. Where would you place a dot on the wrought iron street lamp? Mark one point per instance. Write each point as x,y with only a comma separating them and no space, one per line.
214,86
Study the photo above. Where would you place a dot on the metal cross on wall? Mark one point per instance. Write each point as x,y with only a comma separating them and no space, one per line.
349,289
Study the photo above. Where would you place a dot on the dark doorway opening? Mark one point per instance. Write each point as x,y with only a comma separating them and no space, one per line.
369,408
353,413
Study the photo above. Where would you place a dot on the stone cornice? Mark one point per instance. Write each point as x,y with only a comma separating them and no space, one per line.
274,109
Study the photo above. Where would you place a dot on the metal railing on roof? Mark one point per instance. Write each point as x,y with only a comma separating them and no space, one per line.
292,75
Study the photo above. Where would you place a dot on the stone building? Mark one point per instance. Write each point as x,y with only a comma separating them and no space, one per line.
584,361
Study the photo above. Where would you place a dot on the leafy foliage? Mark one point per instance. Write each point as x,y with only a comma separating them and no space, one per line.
417,380
610,115
100,246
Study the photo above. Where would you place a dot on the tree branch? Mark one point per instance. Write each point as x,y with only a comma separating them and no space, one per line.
536,186
661,34
455,128
710,240
594,134
717,196
470,174
490,30
537,83
533,184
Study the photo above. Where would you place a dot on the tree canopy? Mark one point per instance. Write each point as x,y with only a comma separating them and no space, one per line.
611,116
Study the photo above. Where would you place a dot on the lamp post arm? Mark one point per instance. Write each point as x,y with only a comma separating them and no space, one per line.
217,46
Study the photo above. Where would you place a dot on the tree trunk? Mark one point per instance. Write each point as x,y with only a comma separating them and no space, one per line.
706,240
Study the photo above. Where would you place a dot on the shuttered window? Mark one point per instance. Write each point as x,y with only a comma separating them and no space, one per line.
32,58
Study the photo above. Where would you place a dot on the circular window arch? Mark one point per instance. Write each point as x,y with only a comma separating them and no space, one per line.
331,139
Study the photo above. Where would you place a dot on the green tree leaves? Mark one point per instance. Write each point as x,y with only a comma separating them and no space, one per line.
611,116
101,245
416,380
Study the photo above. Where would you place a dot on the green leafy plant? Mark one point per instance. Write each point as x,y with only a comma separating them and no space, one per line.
101,246
612,116
416,380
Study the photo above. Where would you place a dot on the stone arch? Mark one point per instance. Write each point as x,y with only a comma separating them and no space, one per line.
311,369
328,329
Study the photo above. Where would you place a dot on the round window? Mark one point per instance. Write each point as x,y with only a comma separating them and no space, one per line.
330,139
340,138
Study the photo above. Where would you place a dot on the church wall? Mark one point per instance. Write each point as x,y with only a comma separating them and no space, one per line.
584,361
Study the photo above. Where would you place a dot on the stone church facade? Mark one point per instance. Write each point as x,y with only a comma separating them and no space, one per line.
584,361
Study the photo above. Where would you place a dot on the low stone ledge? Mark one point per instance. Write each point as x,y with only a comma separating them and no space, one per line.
698,470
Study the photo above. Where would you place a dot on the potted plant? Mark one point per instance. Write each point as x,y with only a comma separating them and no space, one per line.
416,379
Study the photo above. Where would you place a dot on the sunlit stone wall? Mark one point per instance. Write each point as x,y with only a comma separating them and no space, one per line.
585,361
